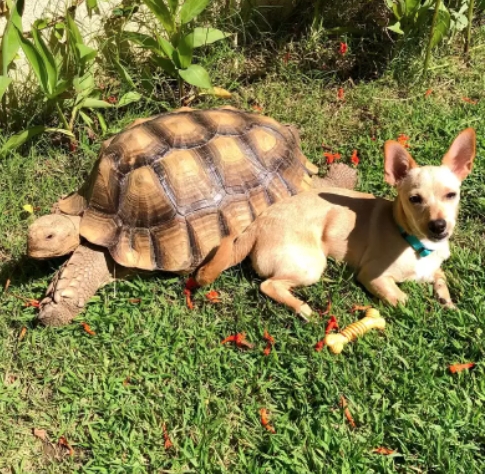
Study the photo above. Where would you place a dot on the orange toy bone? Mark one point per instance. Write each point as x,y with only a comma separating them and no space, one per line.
372,320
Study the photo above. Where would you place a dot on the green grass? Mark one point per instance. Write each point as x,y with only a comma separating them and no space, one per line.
397,383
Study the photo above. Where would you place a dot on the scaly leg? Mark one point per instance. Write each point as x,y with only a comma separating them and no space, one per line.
77,281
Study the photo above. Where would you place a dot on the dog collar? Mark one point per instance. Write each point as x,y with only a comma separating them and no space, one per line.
415,243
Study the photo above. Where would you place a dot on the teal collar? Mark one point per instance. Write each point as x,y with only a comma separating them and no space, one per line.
415,243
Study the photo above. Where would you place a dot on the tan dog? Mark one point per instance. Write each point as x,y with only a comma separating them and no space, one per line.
385,242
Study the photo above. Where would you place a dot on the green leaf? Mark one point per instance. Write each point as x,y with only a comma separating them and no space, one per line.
85,52
73,30
167,48
173,4
91,103
197,76
61,87
204,36
20,138
35,61
441,28
10,43
40,24
191,8
129,98
61,130
163,14
142,40
48,60
86,118
102,122
124,73
92,5
83,83
185,50
411,6
396,28
166,64
4,83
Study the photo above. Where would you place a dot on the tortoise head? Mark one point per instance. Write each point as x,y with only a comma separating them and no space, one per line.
53,235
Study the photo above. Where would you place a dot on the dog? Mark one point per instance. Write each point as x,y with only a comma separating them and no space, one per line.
386,242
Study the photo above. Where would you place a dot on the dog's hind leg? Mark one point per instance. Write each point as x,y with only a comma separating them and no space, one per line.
280,290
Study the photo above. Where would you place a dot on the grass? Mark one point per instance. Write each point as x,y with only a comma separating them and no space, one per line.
154,361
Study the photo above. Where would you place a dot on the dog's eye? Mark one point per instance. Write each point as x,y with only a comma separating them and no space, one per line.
450,196
416,199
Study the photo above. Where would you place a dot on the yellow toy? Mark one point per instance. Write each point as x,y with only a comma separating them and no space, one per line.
372,320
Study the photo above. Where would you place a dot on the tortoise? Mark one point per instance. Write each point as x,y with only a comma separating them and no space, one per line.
161,196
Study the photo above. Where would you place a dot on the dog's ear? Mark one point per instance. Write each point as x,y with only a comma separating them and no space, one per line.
459,158
397,162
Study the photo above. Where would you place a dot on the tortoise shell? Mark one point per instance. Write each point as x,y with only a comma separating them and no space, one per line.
163,193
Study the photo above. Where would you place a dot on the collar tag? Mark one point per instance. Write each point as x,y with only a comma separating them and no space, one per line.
415,243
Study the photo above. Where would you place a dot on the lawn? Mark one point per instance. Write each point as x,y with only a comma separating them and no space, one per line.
153,362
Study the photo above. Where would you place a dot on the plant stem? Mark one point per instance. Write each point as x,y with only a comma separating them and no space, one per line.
73,118
62,117
469,27
181,89
431,33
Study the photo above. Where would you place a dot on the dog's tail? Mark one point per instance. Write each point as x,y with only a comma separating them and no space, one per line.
232,250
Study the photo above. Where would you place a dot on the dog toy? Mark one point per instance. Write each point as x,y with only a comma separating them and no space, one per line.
372,320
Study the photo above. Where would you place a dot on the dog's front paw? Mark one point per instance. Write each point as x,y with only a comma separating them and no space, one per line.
305,313
447,304
397,299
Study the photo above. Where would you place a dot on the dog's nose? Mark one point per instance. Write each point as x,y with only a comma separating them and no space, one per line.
437,226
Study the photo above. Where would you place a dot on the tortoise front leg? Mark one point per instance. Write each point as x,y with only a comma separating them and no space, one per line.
77,281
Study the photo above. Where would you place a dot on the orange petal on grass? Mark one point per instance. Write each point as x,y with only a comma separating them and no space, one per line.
265,421
167,442
63,442
319,345
23,332
330,158
469,101
270,342
213,296
188,298
331,325
239,339
32,304
257,108
460,367
354,158
357,307
268,337
403,140
340,93
88,329
348,415
191,284
428,92
384,451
